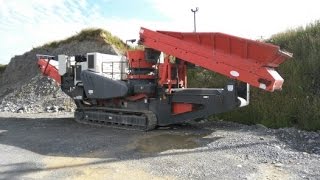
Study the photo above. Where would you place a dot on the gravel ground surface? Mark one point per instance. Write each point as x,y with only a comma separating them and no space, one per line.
53,146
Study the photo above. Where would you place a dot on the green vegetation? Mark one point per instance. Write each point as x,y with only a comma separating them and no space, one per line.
298,104
198,77
91,34
2,68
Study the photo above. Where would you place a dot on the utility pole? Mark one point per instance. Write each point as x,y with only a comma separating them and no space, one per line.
194,18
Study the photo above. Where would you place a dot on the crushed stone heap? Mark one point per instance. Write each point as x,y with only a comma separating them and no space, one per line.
40,94
24,89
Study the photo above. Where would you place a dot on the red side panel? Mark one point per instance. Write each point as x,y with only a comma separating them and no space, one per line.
136,59
238,58
50,70
142,76
179,108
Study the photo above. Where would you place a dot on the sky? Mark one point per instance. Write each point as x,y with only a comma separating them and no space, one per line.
25,24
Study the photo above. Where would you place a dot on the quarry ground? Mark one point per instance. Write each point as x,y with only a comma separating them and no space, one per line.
53,146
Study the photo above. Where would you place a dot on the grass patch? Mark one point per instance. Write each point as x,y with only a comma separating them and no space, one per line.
298,104
2,68
91,34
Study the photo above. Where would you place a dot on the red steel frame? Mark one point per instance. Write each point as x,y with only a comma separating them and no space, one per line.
165,70
242,59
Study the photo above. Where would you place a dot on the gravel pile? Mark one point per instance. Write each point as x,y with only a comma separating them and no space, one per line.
23,68
24,90
41,94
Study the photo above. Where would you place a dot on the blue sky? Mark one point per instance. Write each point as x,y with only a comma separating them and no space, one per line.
141,9
25,24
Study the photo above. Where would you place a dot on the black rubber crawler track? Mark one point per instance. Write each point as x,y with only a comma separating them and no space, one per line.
116,118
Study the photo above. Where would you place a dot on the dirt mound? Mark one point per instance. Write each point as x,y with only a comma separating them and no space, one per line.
23,89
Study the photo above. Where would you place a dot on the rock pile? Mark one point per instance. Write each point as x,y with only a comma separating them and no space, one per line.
24,89
41,94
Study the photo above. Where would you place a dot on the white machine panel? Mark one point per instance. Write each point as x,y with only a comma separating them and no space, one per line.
111,66
62,59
